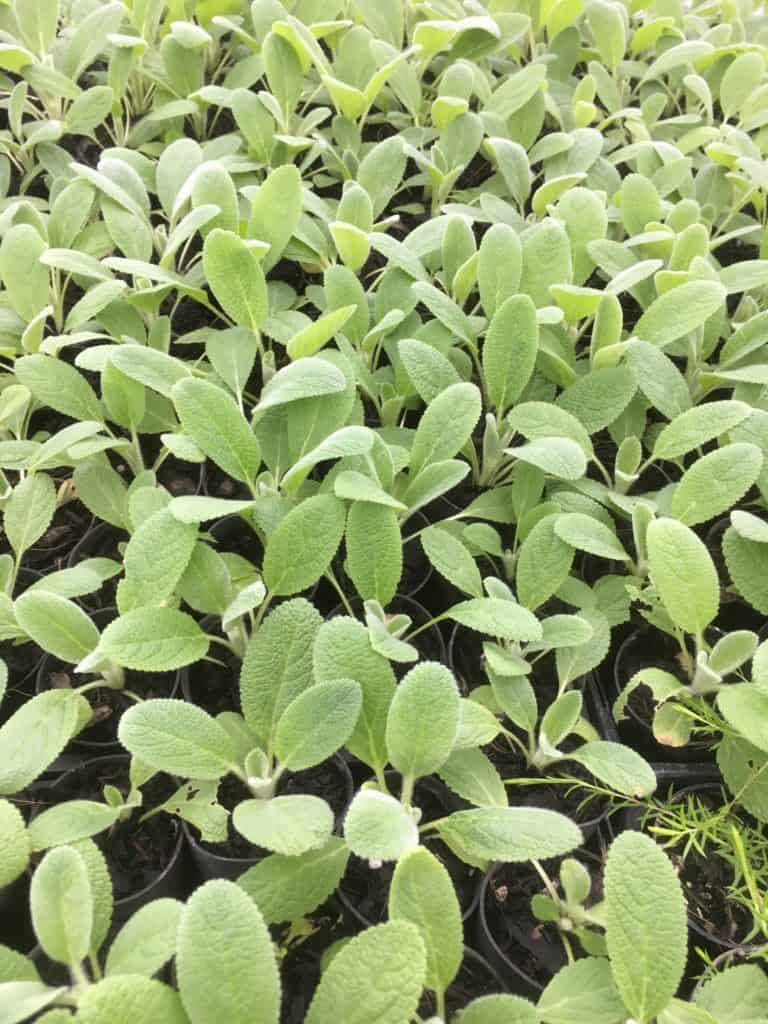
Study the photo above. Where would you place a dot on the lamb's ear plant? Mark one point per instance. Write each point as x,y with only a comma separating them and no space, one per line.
421,729
646,939
289,723
683,599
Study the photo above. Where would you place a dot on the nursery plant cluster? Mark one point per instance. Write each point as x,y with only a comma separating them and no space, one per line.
384,493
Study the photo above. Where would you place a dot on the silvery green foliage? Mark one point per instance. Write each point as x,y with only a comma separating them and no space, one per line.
311,308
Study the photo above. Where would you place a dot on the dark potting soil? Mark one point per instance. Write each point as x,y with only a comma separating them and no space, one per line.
53,548
136,852
534,948
326,781
705,881
235,535
300,968
21,660
476,978
216,484
108,705
213,686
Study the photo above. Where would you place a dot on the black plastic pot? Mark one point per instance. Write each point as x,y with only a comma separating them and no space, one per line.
209,864
514,968
15,921
54,548
210,686
172,877
101,541
430,644
648,648
476,977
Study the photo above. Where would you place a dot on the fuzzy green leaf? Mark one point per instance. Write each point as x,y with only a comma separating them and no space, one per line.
288,888
177,737
422,893
684,574
225,962
423,720
236,278
646,927
377,978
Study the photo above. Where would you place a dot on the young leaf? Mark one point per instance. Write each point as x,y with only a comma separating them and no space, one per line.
497,617
35,735
422,893
374,551
659,379
446,425
62,906
499,266
379,827
747,563
310,377
684,574
29,511
342,650
509,351
619,767
22,1000
225,962
278,666
59,385
312,338
236,279
377,976
70,822
153,640
24,276
317,723
472,776
697,426
646,928
737,994
130,999
289,888
15,846
587,534
510,834
156,557
147,940
275,211
452,560
599,397
423,720
429,370
214,422
177,737
679,311
150,367
301,548
583,992
557,456
716,482
290,825
500,1009
743,706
